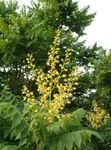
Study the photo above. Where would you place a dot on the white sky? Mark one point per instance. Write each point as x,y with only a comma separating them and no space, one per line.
100,29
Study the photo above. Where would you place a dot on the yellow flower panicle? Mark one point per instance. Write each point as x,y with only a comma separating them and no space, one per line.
98,117
56,85
28,96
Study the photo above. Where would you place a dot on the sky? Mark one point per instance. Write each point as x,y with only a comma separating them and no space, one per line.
100,29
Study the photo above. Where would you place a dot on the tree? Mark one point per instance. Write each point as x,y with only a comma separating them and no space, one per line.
43,123
32,30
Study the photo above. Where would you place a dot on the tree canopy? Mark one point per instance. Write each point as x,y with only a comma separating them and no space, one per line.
64,108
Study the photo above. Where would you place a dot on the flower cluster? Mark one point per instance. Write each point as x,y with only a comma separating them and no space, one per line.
29,96
98,117
56,85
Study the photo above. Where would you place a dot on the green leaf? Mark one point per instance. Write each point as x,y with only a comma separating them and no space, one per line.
74,138
78,116
56,127
18,128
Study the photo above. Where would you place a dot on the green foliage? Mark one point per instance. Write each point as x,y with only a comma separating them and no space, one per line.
72,139
22,32
102,85
31,30
103,77
19,131
69,133
16,125
66,134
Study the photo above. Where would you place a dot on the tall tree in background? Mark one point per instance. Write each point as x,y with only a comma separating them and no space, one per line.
31,30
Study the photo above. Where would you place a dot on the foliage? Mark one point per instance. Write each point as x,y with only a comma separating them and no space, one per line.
103,77
22,32
54,86
43,123
102,94
53,116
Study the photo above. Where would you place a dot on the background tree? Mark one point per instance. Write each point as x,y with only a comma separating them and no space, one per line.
31,30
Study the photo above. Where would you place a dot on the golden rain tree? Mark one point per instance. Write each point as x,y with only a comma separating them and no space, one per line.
52,127
54,85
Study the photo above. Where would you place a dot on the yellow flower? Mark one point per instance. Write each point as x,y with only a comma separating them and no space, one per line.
54,86
98,117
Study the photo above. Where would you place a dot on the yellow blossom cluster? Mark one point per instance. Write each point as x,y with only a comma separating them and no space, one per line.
98,117
29,97
56,85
